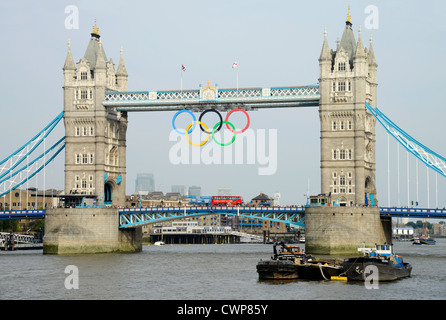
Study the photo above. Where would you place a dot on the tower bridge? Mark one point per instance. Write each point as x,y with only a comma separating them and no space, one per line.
96,105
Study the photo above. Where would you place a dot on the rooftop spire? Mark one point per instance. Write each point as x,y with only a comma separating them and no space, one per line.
69,62
95,32
349,17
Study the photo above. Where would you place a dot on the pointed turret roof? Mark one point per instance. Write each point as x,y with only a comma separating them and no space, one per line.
100,58
69,61
121,71
325,52
348,41
371,55
360,52
94,47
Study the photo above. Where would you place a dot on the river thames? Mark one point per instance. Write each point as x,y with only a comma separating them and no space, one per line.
202,272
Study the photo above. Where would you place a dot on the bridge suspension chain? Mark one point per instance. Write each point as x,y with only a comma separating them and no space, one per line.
430,158
12,177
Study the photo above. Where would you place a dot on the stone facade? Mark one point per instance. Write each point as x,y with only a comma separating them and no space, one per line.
72,231
347,78
342,230
95,145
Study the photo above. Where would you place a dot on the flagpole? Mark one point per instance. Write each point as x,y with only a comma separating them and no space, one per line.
181,72
237,77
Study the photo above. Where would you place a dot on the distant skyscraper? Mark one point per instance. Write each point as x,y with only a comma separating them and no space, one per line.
181,189
195,191
144,182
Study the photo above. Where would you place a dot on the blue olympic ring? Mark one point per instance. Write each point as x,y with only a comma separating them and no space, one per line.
176,115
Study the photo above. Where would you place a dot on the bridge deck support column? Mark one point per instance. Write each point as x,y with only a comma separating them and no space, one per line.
342,230
88,230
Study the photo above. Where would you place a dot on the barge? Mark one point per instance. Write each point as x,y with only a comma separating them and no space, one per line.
381,258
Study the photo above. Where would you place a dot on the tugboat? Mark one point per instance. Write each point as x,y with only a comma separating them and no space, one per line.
390,266
293,263
283,265
427,240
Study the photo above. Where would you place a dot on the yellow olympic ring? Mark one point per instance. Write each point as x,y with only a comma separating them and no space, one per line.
195,144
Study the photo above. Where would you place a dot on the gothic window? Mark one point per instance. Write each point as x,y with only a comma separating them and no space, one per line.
84,131
91,158
335,154
84,184
341,66
76,95
334,86
84,94
342,127
84,159
341,86
335,175
342,155
78,158
83,75
334,125
91,94
350,125
77,131
91,131
350,154
349,86
342,181
349,174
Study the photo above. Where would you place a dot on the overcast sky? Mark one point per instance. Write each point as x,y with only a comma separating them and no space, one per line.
276,43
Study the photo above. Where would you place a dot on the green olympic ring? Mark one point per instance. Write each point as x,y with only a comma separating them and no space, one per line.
215,127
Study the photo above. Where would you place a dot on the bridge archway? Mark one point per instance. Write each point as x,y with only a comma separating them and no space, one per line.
108,193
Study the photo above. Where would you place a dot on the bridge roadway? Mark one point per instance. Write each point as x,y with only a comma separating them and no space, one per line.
213,97
130,217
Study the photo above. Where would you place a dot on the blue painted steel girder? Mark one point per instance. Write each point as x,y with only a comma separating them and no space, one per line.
143,216
22,214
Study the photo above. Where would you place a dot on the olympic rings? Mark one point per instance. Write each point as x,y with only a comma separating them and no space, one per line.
219,115
215,129
223,144
176,115
205,140
227,117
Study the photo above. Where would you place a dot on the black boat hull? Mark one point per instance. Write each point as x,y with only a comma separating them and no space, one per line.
355,269
277,270
288,270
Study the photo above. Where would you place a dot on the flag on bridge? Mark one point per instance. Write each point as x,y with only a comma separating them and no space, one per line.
234,65
183,67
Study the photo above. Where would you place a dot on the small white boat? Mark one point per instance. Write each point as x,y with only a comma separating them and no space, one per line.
159,243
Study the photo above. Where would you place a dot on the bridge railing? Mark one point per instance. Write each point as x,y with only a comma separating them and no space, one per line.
413,212
175,99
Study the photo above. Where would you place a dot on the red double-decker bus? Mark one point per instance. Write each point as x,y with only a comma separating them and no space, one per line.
226,201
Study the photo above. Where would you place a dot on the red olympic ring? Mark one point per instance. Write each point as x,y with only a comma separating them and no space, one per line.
247,124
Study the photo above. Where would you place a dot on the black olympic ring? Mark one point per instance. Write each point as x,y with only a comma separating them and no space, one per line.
219,115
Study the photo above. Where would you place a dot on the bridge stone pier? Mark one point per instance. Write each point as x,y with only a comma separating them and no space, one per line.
347,78
94,230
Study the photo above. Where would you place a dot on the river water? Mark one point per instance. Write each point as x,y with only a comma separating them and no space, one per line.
202,272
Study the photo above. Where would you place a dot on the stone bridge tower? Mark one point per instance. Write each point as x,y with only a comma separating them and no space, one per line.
347,78
95,148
